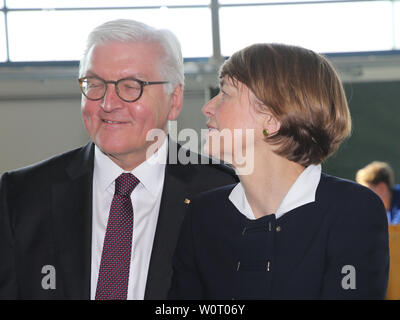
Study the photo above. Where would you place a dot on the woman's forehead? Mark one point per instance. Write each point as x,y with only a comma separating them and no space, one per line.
230,82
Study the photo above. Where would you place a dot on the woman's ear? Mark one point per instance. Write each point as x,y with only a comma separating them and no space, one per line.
271,125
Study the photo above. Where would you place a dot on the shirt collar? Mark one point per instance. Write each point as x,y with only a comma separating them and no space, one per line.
149,172
300,193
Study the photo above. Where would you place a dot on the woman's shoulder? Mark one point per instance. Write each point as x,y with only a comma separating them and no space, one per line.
348,197
344,187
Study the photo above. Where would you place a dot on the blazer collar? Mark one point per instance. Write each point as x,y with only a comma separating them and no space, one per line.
72,212
82,163
171,214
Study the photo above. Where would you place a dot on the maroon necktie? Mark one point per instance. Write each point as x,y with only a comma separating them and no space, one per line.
112,283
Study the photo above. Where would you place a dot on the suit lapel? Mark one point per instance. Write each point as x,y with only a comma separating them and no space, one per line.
171,214
72,212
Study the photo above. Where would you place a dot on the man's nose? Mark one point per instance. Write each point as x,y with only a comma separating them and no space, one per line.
111,99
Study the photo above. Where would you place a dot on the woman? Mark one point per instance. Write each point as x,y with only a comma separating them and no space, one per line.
286,231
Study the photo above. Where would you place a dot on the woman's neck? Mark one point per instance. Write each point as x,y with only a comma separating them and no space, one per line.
269,182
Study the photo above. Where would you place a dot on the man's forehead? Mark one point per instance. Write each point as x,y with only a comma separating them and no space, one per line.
150,47
139,60
137,75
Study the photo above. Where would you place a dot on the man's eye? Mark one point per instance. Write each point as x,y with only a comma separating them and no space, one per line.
131,87
94,84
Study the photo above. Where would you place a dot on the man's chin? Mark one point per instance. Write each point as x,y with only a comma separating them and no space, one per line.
118,151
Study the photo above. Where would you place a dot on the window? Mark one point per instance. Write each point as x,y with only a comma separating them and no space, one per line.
3,46
328,27
29,4
56,30
61,35
396,24
249,2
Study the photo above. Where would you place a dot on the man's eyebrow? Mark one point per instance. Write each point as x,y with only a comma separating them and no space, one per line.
138,76
91,73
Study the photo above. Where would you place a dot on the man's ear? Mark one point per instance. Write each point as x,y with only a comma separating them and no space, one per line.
177,102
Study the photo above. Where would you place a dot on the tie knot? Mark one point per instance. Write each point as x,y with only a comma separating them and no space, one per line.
125,184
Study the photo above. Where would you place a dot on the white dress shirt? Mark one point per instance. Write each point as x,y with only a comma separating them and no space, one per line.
300,193
146,199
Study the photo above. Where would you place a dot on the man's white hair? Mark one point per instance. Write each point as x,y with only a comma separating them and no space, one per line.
131,31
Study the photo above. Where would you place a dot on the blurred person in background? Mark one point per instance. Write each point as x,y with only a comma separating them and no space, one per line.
379,177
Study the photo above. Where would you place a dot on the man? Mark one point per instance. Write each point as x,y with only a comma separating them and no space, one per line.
379,177
102,221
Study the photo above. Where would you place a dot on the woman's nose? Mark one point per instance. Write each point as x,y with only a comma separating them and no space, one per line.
209,108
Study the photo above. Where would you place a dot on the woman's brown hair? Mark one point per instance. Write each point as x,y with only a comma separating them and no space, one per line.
302,90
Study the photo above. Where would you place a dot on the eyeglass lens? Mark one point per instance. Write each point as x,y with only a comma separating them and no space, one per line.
127,89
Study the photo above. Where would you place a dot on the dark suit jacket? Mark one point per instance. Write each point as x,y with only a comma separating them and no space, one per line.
333,248
46,219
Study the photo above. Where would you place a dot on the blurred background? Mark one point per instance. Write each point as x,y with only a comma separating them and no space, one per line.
42,41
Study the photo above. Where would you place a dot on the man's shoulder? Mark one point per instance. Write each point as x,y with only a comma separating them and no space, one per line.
212,205
215,167
396,196
199,172
187,159
212,169
396,189
40,171
215,195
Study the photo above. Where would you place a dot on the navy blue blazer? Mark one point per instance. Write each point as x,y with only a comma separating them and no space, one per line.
334,248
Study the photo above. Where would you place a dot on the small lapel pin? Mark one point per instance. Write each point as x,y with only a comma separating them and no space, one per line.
187,201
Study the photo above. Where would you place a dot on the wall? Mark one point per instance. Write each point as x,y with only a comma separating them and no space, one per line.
375,111
40,111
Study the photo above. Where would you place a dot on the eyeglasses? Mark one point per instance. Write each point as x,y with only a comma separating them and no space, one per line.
128,89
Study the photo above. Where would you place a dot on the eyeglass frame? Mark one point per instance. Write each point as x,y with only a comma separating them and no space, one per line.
115,83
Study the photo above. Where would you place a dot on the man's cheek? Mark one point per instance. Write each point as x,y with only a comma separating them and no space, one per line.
144,117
